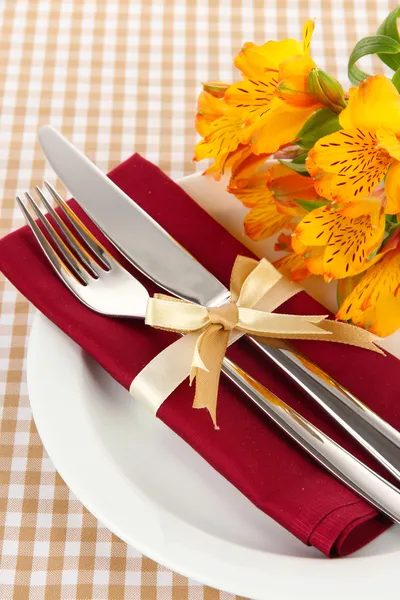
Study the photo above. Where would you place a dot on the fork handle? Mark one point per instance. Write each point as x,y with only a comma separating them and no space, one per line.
376,435
357,476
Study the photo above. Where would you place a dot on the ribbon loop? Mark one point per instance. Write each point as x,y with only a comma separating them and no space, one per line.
256,289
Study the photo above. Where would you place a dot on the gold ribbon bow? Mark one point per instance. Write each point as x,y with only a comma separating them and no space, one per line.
251,282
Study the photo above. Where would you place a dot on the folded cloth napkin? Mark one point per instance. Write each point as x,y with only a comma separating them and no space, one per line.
248,450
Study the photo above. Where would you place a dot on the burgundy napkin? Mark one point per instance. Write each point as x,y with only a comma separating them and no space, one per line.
248,450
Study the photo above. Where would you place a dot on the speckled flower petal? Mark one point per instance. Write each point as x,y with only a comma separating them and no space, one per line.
264,220
348,241
254,192
375,302
392,189
354,158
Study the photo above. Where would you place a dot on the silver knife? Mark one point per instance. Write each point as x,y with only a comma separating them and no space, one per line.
156,254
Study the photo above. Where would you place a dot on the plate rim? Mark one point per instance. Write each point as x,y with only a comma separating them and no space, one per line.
173,559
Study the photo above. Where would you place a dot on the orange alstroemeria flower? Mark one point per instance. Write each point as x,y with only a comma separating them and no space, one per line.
374,304
338,242
263,220
220,130
350,163
272,199
263,112
274,97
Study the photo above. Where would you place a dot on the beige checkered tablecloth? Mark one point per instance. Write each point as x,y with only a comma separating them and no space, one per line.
114,76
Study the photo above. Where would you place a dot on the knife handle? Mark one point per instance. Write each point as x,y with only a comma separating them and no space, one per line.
357,476
376,435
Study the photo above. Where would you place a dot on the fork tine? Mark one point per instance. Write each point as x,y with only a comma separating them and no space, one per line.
74,243
61,246
101,253
62,270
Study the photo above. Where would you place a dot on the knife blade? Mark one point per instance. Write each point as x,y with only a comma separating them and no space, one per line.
156,254
140,240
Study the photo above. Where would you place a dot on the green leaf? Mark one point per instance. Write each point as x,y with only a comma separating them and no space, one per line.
391,219
310,205
396,79
392,226
321,123
300,158
299,167
389,28
389,25
372,254
377,44
346,286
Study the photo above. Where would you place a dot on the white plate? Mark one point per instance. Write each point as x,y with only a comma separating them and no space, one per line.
153,491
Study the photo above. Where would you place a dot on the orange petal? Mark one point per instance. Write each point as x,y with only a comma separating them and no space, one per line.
225,161
296,65
312,167
264,220
373,304
308,30
209,108
284,242
245,165
216,169
389,142
252,96
392,189
297,245
322,180
355,160
223,137
285,184
290,207
254,192
293,267
314,260
277,127
294,91
202,124
346,285
368,206
348,242
374,103
253,60
289,185
293,81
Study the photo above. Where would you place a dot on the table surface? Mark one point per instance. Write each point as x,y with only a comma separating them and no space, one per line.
115,77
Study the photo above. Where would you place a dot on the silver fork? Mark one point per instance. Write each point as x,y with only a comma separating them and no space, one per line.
103,285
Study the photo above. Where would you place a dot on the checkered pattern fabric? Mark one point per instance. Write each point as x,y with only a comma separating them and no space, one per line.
114,76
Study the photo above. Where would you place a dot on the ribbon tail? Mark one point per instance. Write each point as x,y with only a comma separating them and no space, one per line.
197,361
346,333
211,347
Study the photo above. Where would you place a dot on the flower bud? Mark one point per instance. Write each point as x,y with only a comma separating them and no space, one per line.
215,88
326,89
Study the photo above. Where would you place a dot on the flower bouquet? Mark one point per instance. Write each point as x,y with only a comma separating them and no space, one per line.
332,195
